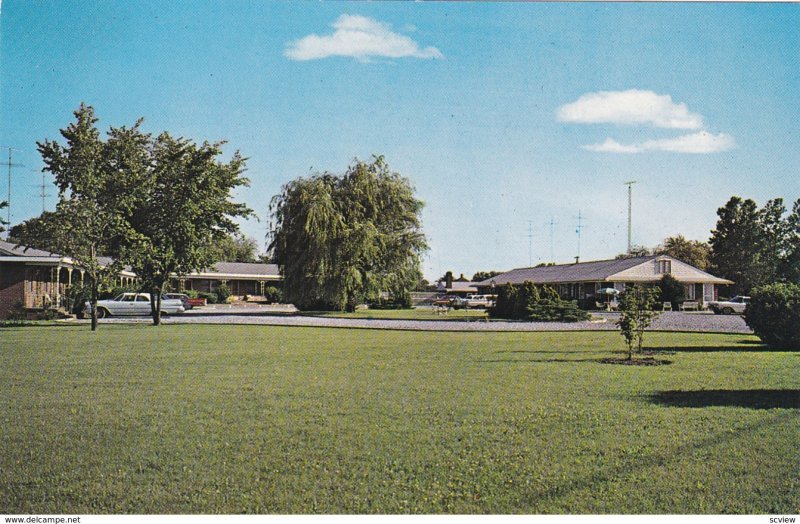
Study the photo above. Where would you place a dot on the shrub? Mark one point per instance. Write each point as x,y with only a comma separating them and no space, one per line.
504,304
672,291
211,298
532,302
774,315
191,293
223,293
17,316
637,313
273,294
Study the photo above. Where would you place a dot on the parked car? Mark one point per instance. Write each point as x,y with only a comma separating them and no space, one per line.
183,297
479,301
133,304
727,307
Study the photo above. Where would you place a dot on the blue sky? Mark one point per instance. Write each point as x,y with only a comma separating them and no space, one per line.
501,115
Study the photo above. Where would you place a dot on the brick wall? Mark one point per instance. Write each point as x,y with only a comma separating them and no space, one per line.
12,286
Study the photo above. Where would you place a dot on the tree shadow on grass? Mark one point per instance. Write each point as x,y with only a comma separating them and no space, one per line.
715,349
536,360
745,398
641,463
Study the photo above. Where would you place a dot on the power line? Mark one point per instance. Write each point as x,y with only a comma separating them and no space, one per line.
630,211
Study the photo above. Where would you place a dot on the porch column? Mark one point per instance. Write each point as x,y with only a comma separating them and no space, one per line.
58,286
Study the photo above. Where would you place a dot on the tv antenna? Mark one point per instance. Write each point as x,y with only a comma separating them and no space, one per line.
10,165
530,243
630,210
552,224
578,229
42,189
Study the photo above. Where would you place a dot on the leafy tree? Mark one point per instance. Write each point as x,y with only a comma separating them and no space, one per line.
634,252
672,291
736,244
480,276
637,312
235,248
3,223
36,231
182,208
774,314
754,246
86,224
693,252
344,239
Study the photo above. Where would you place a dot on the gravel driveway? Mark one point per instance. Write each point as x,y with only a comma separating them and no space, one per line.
667,321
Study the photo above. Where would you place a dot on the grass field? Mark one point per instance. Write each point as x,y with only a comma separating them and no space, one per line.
258,419
418,313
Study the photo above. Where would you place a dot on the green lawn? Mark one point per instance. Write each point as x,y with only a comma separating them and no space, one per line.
420,313
259,419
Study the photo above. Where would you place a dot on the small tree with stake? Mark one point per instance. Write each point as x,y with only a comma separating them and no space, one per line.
637,308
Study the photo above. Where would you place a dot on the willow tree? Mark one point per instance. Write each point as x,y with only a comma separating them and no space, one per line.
340,240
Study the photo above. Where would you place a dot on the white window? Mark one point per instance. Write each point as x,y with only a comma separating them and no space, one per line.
663,266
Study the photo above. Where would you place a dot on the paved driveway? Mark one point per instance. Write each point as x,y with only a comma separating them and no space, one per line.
667,321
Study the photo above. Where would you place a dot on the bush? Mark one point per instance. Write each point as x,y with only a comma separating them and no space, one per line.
774,315
223,293
539,304
672,291
211,298
17,316
273,294
191,293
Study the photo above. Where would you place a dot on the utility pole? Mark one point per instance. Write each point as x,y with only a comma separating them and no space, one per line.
530,243
630,211
10,165
578,230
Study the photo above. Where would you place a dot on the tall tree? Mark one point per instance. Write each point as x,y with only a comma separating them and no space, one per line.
236,248
484,275
182,208
754,246
693,252
342,239
736,244
86,224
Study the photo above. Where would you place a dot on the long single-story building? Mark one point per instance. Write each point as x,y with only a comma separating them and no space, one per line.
584,280
35,280
242,278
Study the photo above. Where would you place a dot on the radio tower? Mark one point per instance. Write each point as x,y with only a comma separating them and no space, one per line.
10,165
578,230
630,209
552,223
530,243
42,189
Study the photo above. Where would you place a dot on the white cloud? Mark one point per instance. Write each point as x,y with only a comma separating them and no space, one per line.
632,107
358,37
698,143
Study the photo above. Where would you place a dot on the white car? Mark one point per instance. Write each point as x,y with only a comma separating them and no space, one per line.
479,301
133,304
727,307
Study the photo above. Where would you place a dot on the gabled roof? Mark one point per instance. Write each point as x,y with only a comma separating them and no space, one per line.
239,270
620,270
12,249
459,287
